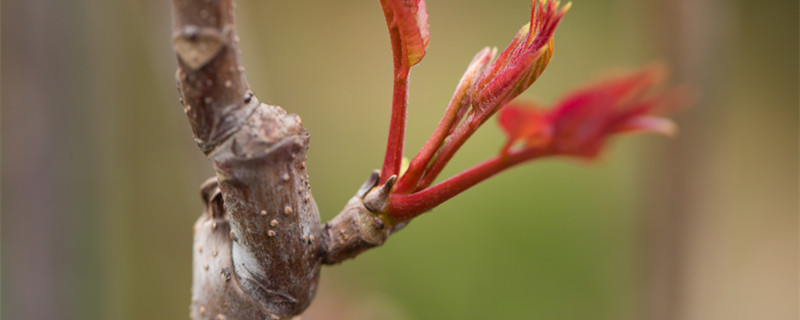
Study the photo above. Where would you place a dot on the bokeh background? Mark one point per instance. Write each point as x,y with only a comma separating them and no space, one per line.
100,174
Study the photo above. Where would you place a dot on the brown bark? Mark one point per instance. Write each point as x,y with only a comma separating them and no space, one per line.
259,246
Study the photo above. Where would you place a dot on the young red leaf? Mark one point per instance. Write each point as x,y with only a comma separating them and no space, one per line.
581,122
408,28
522,62
525,123
410,19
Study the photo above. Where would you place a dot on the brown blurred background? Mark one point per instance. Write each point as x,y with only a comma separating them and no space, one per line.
100,175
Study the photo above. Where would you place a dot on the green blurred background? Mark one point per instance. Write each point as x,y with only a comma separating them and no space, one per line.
100,174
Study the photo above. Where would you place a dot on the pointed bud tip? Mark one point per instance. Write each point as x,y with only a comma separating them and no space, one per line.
566,7
377,200
390,182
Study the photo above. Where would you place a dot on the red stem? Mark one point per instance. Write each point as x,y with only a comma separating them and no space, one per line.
406,207
409,180
397,125
446,152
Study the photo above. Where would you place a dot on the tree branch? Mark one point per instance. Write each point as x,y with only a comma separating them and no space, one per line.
259,246
267,257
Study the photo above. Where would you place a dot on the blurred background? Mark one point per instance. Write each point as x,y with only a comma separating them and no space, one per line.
100,174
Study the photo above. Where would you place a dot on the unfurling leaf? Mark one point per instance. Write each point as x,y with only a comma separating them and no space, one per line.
525,123
476,68
521,63
581,122
409,18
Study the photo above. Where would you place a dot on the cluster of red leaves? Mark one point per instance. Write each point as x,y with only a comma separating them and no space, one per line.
577,126
485,87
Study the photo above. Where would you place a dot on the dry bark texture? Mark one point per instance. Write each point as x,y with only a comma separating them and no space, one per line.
259,246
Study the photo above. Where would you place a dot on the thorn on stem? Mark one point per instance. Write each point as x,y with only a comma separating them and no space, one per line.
377,200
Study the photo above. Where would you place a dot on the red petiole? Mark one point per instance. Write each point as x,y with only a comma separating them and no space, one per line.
406,207
397,126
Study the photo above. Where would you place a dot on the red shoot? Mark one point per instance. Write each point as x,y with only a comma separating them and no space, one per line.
521,63
490,88
458,106
577,126
408,28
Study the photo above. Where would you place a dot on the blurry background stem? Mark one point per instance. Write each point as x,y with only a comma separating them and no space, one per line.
714,247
